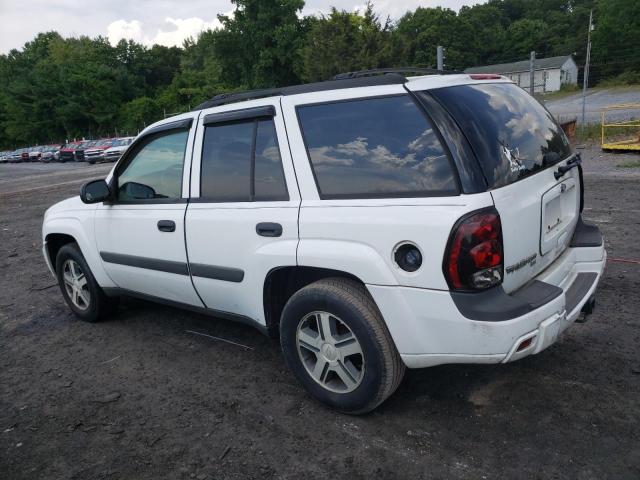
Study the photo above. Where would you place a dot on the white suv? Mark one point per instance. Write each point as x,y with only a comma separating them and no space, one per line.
374,223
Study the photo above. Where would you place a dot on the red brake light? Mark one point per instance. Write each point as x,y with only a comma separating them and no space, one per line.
473,260
485,76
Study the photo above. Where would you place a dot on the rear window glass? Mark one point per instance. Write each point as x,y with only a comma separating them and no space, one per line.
376,147
512,135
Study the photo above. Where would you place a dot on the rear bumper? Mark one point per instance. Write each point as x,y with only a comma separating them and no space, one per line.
429,328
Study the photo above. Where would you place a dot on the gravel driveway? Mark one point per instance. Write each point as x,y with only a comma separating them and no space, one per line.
597,99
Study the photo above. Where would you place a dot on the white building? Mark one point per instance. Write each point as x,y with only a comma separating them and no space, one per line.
549,73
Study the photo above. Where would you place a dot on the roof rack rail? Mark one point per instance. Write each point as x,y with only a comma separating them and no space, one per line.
231,97
398,70
391,78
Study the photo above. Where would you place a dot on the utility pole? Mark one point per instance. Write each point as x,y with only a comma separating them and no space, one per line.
440,57
585,77
532,61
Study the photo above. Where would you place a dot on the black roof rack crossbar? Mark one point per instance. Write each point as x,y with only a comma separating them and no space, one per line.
398,70
391,78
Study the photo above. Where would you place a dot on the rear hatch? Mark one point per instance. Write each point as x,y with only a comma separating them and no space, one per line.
520,147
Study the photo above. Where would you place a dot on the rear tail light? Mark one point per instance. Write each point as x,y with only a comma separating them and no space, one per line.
474,259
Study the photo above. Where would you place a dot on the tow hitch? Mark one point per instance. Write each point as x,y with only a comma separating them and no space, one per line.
587,309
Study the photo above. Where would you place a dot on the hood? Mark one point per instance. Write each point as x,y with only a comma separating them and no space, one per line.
119,148
70,204
98,149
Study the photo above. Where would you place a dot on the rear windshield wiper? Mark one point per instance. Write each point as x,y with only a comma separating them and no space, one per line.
574,162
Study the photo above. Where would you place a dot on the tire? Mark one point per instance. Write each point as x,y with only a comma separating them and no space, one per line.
346,306
91,306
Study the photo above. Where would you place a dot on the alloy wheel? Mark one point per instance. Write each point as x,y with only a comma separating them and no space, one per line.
330,352
75,284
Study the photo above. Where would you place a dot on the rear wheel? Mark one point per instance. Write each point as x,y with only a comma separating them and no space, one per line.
79,287
337,345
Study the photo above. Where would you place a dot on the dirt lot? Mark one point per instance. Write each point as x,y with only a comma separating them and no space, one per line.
140,397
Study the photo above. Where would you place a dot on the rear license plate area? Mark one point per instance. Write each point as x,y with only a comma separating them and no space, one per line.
559,212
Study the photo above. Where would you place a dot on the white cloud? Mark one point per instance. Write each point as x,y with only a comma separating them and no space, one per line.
184,28
121,29
179,29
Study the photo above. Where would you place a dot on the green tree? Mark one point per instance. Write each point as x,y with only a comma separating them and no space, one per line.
138,113
615,38
55,88
424,29
487,23
345,41
259,45
526,35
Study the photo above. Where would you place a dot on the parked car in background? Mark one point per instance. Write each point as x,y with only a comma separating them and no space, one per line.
97,151
67,152
78,154
16,155
4,156
118,147
35,153
50,153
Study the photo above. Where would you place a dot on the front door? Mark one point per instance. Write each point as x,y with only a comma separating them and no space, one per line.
140,235
242,219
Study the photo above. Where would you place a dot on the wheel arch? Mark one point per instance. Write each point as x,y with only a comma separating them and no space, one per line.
58,232
53,243
282,282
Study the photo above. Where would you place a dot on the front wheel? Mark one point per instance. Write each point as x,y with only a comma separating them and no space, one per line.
79,287
336,343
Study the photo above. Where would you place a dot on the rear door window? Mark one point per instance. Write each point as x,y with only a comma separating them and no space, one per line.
375,147
512,135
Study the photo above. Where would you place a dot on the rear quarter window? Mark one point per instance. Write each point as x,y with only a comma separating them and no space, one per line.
375,147
512,135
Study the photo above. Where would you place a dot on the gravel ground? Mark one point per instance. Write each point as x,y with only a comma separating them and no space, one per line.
597,99
139,397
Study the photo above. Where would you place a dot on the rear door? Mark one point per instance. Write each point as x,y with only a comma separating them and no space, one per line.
520,147
242,219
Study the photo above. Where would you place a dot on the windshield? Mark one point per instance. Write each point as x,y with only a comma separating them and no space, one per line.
512,135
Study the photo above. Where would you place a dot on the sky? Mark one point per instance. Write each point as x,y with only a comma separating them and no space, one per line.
166,22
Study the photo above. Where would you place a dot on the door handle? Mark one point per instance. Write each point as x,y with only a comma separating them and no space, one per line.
166,225
268,229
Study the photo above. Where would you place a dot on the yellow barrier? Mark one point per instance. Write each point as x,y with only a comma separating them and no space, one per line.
626,134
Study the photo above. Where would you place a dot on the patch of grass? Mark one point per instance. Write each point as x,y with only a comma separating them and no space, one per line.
591,132
626,78
630,164
565,91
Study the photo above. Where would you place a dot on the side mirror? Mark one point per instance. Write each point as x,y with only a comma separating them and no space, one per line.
95,191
